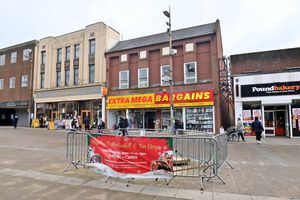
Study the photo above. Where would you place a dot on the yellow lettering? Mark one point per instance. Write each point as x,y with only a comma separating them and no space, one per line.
199,95
187,97
206,95
157,98
165,98
179,97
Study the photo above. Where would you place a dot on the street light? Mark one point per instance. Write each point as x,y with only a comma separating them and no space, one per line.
171,53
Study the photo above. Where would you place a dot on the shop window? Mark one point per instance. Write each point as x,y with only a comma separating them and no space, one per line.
124,79
190,72
143,77
200,118
165,75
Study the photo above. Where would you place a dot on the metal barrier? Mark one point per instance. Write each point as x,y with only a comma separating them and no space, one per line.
199,156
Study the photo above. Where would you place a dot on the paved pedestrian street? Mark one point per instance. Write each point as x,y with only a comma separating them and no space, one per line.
32,163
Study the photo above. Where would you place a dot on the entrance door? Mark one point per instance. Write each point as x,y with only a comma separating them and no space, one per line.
54,115
269,123
150,119
280,123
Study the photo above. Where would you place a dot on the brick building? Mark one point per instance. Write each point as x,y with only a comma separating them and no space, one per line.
138,89
267,85
16,70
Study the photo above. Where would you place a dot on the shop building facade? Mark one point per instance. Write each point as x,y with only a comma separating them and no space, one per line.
70,71
139,88
16,75
267,85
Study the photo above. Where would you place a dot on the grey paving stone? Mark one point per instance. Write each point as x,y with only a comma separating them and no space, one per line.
159,191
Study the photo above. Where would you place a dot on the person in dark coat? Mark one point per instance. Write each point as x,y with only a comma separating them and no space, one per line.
15,121
258,128
87,123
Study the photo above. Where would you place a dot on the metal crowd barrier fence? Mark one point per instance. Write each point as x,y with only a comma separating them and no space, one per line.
199,155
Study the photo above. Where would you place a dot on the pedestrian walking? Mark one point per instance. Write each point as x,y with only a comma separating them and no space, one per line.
240,129
258,128
15,121
87,123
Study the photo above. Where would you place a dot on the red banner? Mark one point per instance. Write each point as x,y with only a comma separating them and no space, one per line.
132,155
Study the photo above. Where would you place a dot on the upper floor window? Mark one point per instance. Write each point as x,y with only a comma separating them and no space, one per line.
76,76
92,73
13,58
190,72
143,77
124,58
76,51
124,79
68,53
165,72
24,81
67,77
59,53
26,54
189,47
92,47
58,78
1,84
143,54
43,80
43,57
12,82
2,59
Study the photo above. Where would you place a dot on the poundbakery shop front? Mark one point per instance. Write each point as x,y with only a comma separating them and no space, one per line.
192,110
275,103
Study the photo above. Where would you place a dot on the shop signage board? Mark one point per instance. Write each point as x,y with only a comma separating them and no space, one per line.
121,157
271,89
162,99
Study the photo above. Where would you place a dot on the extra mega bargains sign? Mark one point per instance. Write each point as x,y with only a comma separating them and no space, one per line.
162,99
270,89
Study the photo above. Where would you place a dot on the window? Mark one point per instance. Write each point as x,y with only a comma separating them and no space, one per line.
92,47
190,72
124,79
143,54
76,76
92,73
165,75
189,47
13,57
68,53
58,78
43,57
12,82
67,77
24,81
1,84
77,51
26,54
124,58
2,59
59,52
43,80
165,51
143,77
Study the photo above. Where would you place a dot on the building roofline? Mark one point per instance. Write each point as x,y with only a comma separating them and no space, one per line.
35,42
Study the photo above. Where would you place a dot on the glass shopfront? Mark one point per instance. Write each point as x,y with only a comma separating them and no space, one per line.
193,110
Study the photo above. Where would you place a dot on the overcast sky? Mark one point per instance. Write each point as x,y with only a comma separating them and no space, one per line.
246,25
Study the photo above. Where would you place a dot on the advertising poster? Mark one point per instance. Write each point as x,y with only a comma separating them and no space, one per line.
257,113
131,157
247,120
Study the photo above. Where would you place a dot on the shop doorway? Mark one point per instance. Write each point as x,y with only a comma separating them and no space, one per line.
269,123
275,120
150,117
54,115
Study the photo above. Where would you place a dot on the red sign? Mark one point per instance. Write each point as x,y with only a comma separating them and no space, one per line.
133,155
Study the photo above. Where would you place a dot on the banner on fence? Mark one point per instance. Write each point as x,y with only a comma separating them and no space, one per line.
131,157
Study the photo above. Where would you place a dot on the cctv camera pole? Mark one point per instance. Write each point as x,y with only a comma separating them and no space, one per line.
169,31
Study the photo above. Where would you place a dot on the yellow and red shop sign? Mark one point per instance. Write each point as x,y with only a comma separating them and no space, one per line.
162,99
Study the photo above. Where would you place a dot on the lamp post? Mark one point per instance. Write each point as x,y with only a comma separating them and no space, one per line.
171,53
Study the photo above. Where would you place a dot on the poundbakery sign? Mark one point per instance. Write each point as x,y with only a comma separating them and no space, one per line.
270,89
